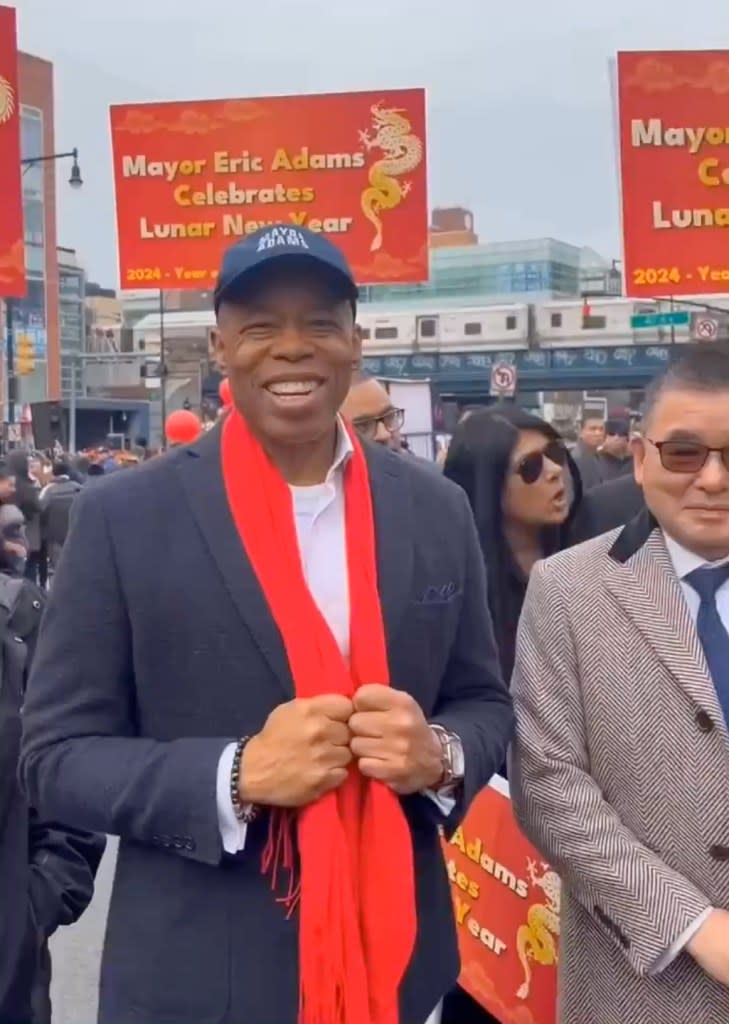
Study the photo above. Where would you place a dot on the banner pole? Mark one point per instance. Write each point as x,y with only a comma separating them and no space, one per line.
162,366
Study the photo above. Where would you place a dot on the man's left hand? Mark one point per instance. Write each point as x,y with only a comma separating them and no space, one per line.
392,740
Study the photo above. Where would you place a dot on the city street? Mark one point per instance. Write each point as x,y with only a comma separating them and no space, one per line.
76,952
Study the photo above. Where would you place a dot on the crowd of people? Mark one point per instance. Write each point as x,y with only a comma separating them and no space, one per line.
280,662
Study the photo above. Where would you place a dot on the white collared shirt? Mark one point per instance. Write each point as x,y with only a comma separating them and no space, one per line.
684,562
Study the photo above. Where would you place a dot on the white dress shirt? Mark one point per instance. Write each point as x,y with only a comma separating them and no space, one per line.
320,530
684,563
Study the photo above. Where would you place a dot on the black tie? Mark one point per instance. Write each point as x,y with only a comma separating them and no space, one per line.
712,632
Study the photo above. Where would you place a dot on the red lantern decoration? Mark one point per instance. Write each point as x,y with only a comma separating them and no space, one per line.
182,427
224,393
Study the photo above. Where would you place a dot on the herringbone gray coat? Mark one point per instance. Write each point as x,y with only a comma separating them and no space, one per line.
620,777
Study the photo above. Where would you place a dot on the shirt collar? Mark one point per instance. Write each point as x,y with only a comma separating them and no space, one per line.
685,561
343,450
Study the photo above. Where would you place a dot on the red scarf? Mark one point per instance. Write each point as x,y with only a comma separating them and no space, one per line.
356,892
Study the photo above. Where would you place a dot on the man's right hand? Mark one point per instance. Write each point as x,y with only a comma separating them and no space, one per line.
710,946
301,753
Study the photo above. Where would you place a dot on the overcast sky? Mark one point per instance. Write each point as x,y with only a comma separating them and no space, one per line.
520,121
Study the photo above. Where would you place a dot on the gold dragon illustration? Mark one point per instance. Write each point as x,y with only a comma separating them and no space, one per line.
402,152
7,100
536,941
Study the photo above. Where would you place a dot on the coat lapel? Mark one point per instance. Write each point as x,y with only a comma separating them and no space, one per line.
641,577
201,476
392,504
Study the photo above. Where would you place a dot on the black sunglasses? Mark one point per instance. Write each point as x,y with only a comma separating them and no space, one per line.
686,456
530,468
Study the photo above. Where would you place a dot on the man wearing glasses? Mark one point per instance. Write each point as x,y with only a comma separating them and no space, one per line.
371,412
620,772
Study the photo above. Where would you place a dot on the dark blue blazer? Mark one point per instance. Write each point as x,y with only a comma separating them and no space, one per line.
158,649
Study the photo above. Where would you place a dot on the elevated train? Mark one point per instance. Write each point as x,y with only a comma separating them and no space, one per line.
555,324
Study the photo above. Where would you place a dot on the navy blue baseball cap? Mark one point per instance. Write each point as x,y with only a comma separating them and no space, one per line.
244,260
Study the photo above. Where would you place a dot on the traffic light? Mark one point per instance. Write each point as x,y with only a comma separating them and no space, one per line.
24,355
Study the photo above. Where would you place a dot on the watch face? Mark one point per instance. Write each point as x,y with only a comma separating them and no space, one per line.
458,761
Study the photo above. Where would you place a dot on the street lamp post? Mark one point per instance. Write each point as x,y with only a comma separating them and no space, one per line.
75,181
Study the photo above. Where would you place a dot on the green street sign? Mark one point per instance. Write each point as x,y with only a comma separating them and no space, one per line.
643,320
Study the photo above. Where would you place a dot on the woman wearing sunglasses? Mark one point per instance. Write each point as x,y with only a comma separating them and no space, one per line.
523,488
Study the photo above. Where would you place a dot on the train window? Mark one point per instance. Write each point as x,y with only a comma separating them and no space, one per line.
511,323
427,327
593,323
365,332
555,320
472,328
385,333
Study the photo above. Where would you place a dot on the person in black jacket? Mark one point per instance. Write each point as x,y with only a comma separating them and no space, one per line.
27,498
56,500
606,507
46,871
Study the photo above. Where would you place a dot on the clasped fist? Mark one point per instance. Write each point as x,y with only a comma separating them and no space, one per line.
301,753
306,747
392,741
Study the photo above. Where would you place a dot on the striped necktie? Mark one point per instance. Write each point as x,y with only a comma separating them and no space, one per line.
712,632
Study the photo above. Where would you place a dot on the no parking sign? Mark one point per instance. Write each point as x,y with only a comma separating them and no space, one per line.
503,380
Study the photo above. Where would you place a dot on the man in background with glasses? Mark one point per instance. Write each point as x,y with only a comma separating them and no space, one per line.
620,772
371,412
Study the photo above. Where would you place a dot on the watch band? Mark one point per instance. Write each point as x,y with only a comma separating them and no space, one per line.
452,754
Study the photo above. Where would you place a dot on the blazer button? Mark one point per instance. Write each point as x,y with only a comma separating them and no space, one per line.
703,720
719,852
189,843
165,840
178,843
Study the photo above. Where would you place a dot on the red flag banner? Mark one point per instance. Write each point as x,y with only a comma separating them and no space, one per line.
674,133
12,252
194,177
507,903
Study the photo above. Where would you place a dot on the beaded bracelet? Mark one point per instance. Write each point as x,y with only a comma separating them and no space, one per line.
243,812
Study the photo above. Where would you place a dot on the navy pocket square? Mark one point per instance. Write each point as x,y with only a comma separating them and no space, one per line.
440,595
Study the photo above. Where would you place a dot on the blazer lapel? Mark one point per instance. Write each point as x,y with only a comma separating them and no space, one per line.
392,503
201,476
646,587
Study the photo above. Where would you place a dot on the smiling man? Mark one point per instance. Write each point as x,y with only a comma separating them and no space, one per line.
621,689
274,683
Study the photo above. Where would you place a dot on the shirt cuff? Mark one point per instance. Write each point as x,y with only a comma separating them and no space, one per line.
232,831
444,802
669,955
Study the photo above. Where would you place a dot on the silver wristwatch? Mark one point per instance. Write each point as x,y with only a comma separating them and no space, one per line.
454,768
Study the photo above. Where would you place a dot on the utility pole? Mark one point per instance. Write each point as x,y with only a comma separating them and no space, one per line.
162,366
12,384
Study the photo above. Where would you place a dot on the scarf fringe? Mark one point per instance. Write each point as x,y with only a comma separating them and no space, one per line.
278,856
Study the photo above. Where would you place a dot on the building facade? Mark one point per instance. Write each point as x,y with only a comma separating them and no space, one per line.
72,317
492,273
36,317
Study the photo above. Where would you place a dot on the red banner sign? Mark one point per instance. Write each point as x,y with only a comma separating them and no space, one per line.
506,901
674,159
192,178
12,250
